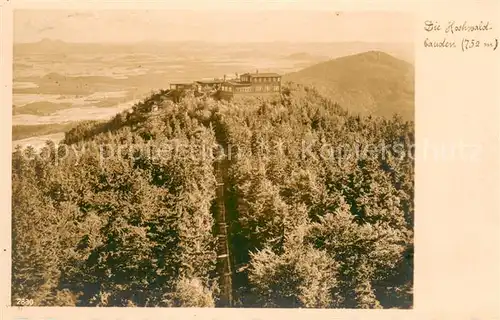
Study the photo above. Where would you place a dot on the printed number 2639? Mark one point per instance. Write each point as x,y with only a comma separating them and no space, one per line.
24,302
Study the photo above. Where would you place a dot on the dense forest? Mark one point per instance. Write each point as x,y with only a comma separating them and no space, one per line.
369,83
125,212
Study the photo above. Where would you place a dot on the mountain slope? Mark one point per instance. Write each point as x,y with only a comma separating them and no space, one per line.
141,207
368,83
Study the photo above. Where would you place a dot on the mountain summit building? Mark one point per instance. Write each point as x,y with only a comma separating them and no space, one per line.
247,84
251,84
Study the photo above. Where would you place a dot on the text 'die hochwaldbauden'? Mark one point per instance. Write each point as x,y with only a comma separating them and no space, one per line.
460,35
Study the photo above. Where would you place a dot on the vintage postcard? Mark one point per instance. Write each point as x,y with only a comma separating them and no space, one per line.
191,159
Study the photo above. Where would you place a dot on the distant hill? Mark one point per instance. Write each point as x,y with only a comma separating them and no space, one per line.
373,82
272,50
304,56
43,46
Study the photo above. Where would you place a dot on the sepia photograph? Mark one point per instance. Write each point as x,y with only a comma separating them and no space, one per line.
215,159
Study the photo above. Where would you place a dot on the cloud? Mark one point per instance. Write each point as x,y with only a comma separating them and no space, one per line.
45,29
165,25
81,15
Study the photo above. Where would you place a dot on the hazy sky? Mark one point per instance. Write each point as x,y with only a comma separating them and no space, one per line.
225,26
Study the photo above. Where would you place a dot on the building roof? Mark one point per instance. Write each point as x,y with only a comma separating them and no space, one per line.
182,83
262,75
210,81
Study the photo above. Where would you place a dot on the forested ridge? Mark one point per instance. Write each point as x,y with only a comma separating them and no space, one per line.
123,213
368,83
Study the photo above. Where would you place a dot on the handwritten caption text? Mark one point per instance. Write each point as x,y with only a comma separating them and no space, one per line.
461,35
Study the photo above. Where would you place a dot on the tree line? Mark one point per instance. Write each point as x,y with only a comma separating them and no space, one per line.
137,230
